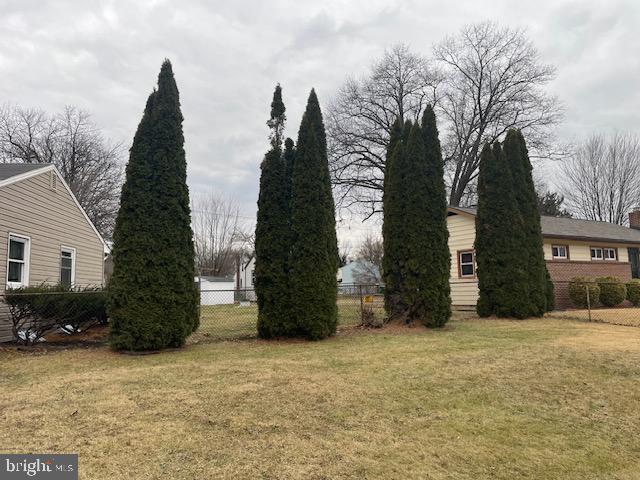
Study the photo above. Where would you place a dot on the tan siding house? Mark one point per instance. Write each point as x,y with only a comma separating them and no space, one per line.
572,247
45,236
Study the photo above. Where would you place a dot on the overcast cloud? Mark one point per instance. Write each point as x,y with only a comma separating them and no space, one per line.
227,56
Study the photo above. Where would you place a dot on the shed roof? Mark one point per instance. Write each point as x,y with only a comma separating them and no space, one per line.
578,229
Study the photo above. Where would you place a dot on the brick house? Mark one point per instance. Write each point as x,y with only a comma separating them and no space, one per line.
572,247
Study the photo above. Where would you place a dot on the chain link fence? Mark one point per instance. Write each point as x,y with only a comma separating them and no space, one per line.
74,316
604,301
68,316
53,313
233,314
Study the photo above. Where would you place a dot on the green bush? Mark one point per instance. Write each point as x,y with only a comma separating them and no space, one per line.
36,311
612,291
578,291
633,292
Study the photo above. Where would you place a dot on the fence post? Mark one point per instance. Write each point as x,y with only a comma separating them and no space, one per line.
588,301
361,302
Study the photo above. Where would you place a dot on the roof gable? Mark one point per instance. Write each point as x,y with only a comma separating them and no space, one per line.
10,175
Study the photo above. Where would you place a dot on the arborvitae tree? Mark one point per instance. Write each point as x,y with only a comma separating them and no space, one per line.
272,234
289,159
392,225
531,252
502,276
153,299
435,257
314,249
550,293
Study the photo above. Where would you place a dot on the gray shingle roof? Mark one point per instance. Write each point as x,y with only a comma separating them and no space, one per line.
580,229
8,170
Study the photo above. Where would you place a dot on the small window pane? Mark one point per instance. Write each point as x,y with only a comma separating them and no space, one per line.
16,250
66,263
15,272
467,270
65,276
466,257
555,251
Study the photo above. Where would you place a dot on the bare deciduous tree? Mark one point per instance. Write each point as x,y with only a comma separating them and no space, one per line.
493,81
483,81
219,234
89,163
369,269
344,252
360,118
602,180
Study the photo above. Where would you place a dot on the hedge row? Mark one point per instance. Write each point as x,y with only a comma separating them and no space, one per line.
606,291
39,310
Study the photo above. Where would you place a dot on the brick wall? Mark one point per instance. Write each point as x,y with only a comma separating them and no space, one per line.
562,272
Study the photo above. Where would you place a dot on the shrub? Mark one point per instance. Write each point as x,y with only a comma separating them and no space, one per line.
578,291
370,319
633,292
550,293
612,291
36,311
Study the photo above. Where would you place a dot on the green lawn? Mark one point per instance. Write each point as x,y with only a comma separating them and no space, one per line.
482,399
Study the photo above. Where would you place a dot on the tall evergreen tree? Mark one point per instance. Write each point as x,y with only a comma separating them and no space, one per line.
436,257
289,158
272,233
153,299
314,249
531,251
393,224
502,277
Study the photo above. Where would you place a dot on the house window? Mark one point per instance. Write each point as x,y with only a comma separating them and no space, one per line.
67,266
18,262
604,253
466,264
559,252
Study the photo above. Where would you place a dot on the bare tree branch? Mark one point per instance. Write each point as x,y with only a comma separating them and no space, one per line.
602,180
482,82
89,163
219,234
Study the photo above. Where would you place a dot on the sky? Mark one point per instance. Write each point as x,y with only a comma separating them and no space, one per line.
227,56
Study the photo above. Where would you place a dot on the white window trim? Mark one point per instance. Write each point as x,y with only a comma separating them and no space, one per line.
27,260
615,254
72,251
559,257
472,263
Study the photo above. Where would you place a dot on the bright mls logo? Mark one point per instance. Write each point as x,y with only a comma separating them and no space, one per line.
45,466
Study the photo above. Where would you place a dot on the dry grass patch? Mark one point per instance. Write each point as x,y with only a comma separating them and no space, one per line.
482,399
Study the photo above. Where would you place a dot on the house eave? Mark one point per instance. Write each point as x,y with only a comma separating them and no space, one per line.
591,239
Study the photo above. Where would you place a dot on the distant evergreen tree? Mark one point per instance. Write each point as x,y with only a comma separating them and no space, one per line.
272,234
502,277
550,205
435,256
392,226
153,299
314,249
526,200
